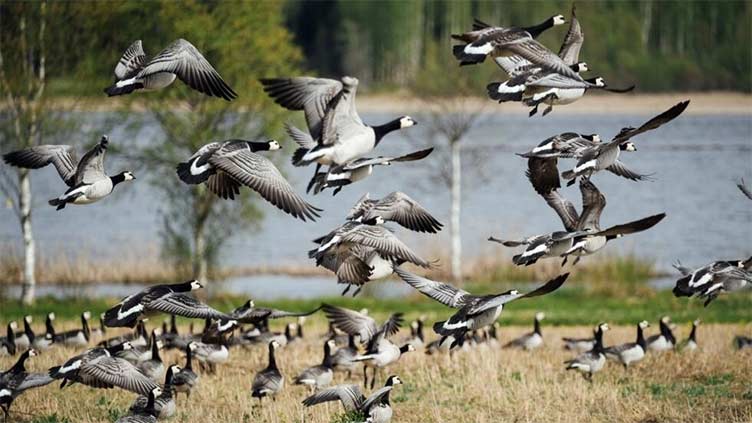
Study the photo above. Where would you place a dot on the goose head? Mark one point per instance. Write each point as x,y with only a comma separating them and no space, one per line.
580,67
696,322
157,391
128,175
51,316
628,146
192,346
394,380
598,82
13,325
127,346
665,320
274,344
644,324
196,285
604,327
274,145
33,353
592,137
28,318
406,122
540,316
558,20
86,315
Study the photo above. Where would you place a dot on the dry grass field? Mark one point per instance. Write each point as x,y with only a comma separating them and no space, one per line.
486,384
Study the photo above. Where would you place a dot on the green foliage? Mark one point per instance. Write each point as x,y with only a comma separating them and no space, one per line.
352,416
52,418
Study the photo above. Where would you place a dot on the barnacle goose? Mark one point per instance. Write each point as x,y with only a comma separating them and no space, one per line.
16,380
376,408
76,337
148,414
343,360
713,279
86,178
170,299
604,155
227,165
532,340
164,403
44,342
336,134
186,380
579,344
26,336
268,382
690,344
153,367
395,207
321,375
8,344
180,60
631,352
663,341
592,361
474,311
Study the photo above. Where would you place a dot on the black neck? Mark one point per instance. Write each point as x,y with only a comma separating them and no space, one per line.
351,341
50,328
404,348
150,405
420,331
288,333
693,333
598,341
120,177
85,327
640,337
155,349
272,360
173,325
300,331
28,331
258,146
102,327
20,365
11,336
536,30
168,380
386,128
189,358
385,399
536,327
327,362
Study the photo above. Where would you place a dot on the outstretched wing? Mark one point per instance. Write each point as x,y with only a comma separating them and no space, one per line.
444,293
115,371
131,62
653,123
61,156
185,306
498,300
620,169
91,167
350,395
632,227
570,48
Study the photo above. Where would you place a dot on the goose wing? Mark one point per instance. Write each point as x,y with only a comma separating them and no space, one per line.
91,167
538,54
350,396
593,203
653,123
351,322
490,302
115,371
544,176
34,380
570,48
513,65
444,293
268,379
350,268
620,169
185,61
381,160
223,185
632,227
375,398
399,207
61,156
383,241
185,306
131,62
260,174
312,95
361,206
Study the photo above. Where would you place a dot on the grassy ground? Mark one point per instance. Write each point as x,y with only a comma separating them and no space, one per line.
482,385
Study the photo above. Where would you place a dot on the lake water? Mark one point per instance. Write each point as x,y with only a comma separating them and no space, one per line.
695,160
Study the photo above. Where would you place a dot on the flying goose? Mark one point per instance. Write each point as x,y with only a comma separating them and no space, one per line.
376,408
248,313
225,166
186,380
713,279
70,371
395,207
170,299
663,341
319,376
358,169
569,145
147,414
16,380
690,344
380,351
555,89
86,178
532,340
744,188
268,382
358,252
593,360
180,60
76,337
474,311
153,367
164,403
606,154
8,344
336,133
631,352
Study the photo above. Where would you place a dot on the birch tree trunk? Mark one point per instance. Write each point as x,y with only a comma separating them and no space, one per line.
455,213
29,277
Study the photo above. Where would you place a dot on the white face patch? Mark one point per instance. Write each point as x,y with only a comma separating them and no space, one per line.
87,315
137,309
406,122
275,344
51,316
128,176
13,325
379,220
195,285
274,145
4,393
582,67
631,147
559,20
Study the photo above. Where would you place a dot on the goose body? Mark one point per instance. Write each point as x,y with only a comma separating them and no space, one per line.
343,360
593,360
631,352
85,178
8,343
690,344
665,340
376,408
25,337
186,380
164,404
146,414
713,279
16,380
180,59
270,381
153,367
532,340
319,376
76,337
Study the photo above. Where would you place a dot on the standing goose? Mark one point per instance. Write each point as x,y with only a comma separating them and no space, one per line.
320,376
376,408
593,360
358,252
474,311
713,279
153,367
178,60
164,403
186,380
225,166
579,345
25,337
70,371
358,169
343,360
337,135
99,333
147,414
268,382
170,299
43,343
395,207
16,380
604,155
690,344
8,344
663,341
631,352
86,178
76,337
380,351
211,354
532,340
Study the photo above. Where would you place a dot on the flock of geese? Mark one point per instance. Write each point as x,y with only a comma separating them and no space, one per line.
362,249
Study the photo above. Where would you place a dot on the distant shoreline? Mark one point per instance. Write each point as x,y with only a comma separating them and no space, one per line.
703,103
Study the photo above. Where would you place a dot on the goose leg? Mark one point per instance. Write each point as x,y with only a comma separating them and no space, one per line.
365,376
373,376
576,260
533,111
548,110
313,179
